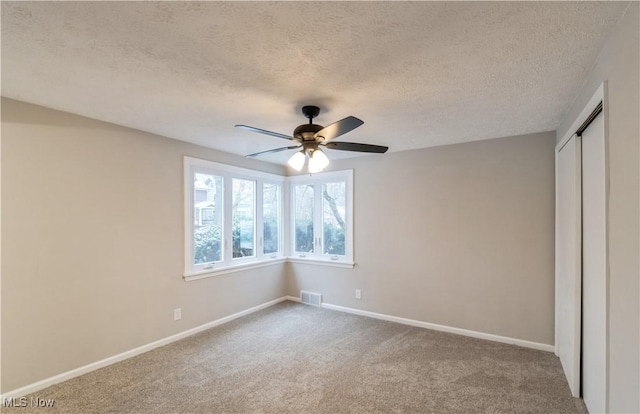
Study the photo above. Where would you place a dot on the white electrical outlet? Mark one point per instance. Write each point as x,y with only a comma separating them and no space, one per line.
177,314
358,294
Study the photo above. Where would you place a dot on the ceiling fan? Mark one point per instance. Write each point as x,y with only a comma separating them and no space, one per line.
311,138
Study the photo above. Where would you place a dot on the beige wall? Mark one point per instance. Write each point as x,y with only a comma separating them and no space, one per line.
93,245
459,235
618,65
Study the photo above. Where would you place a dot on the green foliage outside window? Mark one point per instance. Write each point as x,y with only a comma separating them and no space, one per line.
270,234
242,237
207,246
304,235
207,241
333,239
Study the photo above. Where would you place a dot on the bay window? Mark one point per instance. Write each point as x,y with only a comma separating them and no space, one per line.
236,218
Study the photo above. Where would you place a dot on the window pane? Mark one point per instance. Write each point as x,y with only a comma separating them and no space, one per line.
243,212
207,218
271,217
333,216
304,218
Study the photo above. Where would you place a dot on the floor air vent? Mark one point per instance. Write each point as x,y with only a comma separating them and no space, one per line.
310,298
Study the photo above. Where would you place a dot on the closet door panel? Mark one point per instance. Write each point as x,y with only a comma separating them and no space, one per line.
568,261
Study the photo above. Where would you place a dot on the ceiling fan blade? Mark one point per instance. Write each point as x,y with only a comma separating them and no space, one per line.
339,128
354,146
273,150
264,131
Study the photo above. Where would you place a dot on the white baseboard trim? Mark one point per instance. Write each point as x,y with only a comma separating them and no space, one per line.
40,385
292,298
436,327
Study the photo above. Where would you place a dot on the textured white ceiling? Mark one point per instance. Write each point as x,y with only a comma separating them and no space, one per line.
419,74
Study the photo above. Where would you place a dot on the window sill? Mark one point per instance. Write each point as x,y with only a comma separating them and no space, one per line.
203,274
322,262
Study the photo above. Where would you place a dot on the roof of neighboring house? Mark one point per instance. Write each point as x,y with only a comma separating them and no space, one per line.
204,204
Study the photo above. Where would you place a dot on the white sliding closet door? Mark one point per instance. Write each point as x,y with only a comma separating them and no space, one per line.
594,268
568,260
582,264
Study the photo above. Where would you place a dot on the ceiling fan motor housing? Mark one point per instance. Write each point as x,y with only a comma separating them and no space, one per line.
306,132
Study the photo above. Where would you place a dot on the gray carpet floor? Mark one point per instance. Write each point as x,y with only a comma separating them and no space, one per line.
293,358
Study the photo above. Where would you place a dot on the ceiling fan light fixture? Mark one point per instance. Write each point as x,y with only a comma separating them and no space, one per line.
317,161
297,160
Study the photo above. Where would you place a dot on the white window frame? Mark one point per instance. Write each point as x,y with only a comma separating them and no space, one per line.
317,180
229,264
